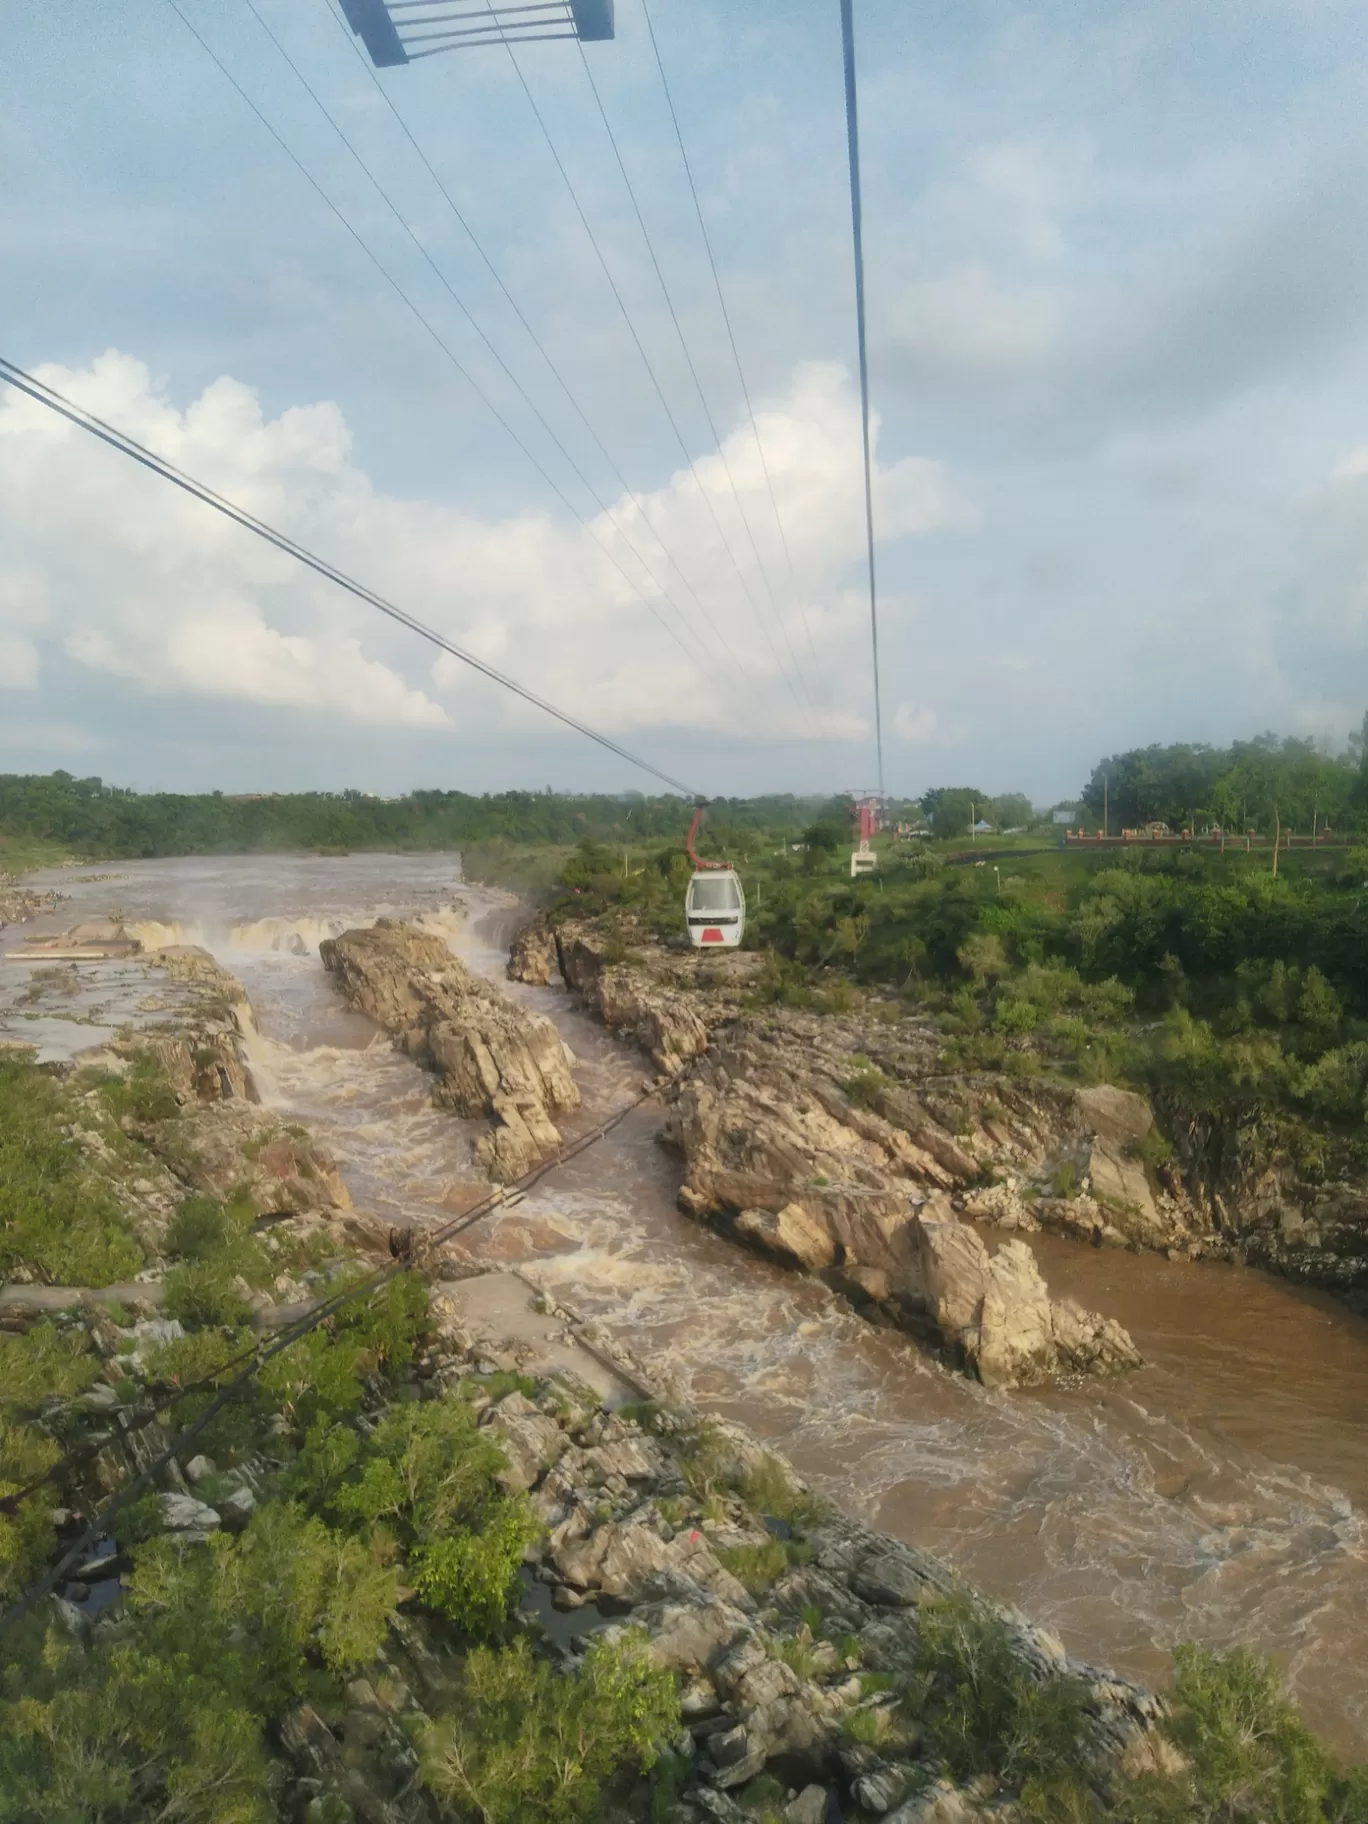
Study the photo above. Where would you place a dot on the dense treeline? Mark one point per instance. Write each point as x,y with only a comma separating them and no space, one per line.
104,820
1255,784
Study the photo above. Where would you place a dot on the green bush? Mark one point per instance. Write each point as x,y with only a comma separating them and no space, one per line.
766,1489
526,1744
1250,1757
142,1093
984,1710
756,1566
423,1470
471,1576
165,1718
203,1293
58,1218
1015,1016
26,1536
44,1363
864,1086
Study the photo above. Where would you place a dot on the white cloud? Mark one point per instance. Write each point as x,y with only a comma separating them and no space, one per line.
1035,181
137,581
915,722
1352,466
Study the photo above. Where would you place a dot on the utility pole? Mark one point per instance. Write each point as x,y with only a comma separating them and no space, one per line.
1106,827
1277,838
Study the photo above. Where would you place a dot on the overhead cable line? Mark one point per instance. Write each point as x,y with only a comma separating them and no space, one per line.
857,231
536,340
461,305
731,334
640,346
450,354
718,442
28,383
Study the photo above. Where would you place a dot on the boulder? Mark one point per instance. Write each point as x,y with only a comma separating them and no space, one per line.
187,1517
532,1442
532,955
810,1807
492,1057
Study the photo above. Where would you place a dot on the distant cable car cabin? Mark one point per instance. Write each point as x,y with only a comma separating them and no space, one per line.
715,904
402,31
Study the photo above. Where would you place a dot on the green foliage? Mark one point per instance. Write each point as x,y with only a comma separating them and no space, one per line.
870,1725
26,1536
181,1361
143,1093
766,1489
99,819
526,1744
58,1218
42,1364
217,1639
864,1086
1250,1759
471,1576
324,1372
422,1470
202,1293
983,1709
758,1567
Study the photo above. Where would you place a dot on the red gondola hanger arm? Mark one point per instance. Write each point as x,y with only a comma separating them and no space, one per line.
694,857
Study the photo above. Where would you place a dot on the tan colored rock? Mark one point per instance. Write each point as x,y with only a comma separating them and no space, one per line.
1117,1115
532,956
789,1231
493,1057
660,1019
624,1560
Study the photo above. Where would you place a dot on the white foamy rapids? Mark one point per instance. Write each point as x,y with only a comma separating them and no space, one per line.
293,936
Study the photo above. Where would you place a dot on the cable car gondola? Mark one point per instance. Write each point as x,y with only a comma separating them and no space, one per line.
715,904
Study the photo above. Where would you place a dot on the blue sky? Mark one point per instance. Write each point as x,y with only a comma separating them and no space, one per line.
1118,287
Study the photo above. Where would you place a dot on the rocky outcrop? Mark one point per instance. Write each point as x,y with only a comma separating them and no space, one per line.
779,1152
491,1057
771,1673
631,1000
532,955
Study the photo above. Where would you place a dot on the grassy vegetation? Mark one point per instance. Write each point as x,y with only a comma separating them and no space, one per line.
1244,1754
61,1222
368,1497
20,853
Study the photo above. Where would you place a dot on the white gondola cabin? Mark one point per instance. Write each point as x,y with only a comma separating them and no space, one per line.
715,909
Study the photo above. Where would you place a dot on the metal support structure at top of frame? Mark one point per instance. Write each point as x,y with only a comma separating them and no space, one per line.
400,31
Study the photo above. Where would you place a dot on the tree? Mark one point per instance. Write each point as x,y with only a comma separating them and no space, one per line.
952,809
1013,811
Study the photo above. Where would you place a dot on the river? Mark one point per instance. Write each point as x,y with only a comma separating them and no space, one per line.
1216,1495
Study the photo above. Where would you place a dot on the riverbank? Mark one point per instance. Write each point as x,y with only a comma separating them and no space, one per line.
775,1643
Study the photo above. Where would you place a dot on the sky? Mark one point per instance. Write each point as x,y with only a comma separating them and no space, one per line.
1117,277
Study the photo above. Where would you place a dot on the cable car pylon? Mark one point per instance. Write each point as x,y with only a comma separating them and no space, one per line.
715,904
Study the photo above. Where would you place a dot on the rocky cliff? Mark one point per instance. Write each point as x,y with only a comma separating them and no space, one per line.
492,1057
798,1144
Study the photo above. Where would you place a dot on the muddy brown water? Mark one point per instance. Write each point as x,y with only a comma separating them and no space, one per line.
1216,1495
